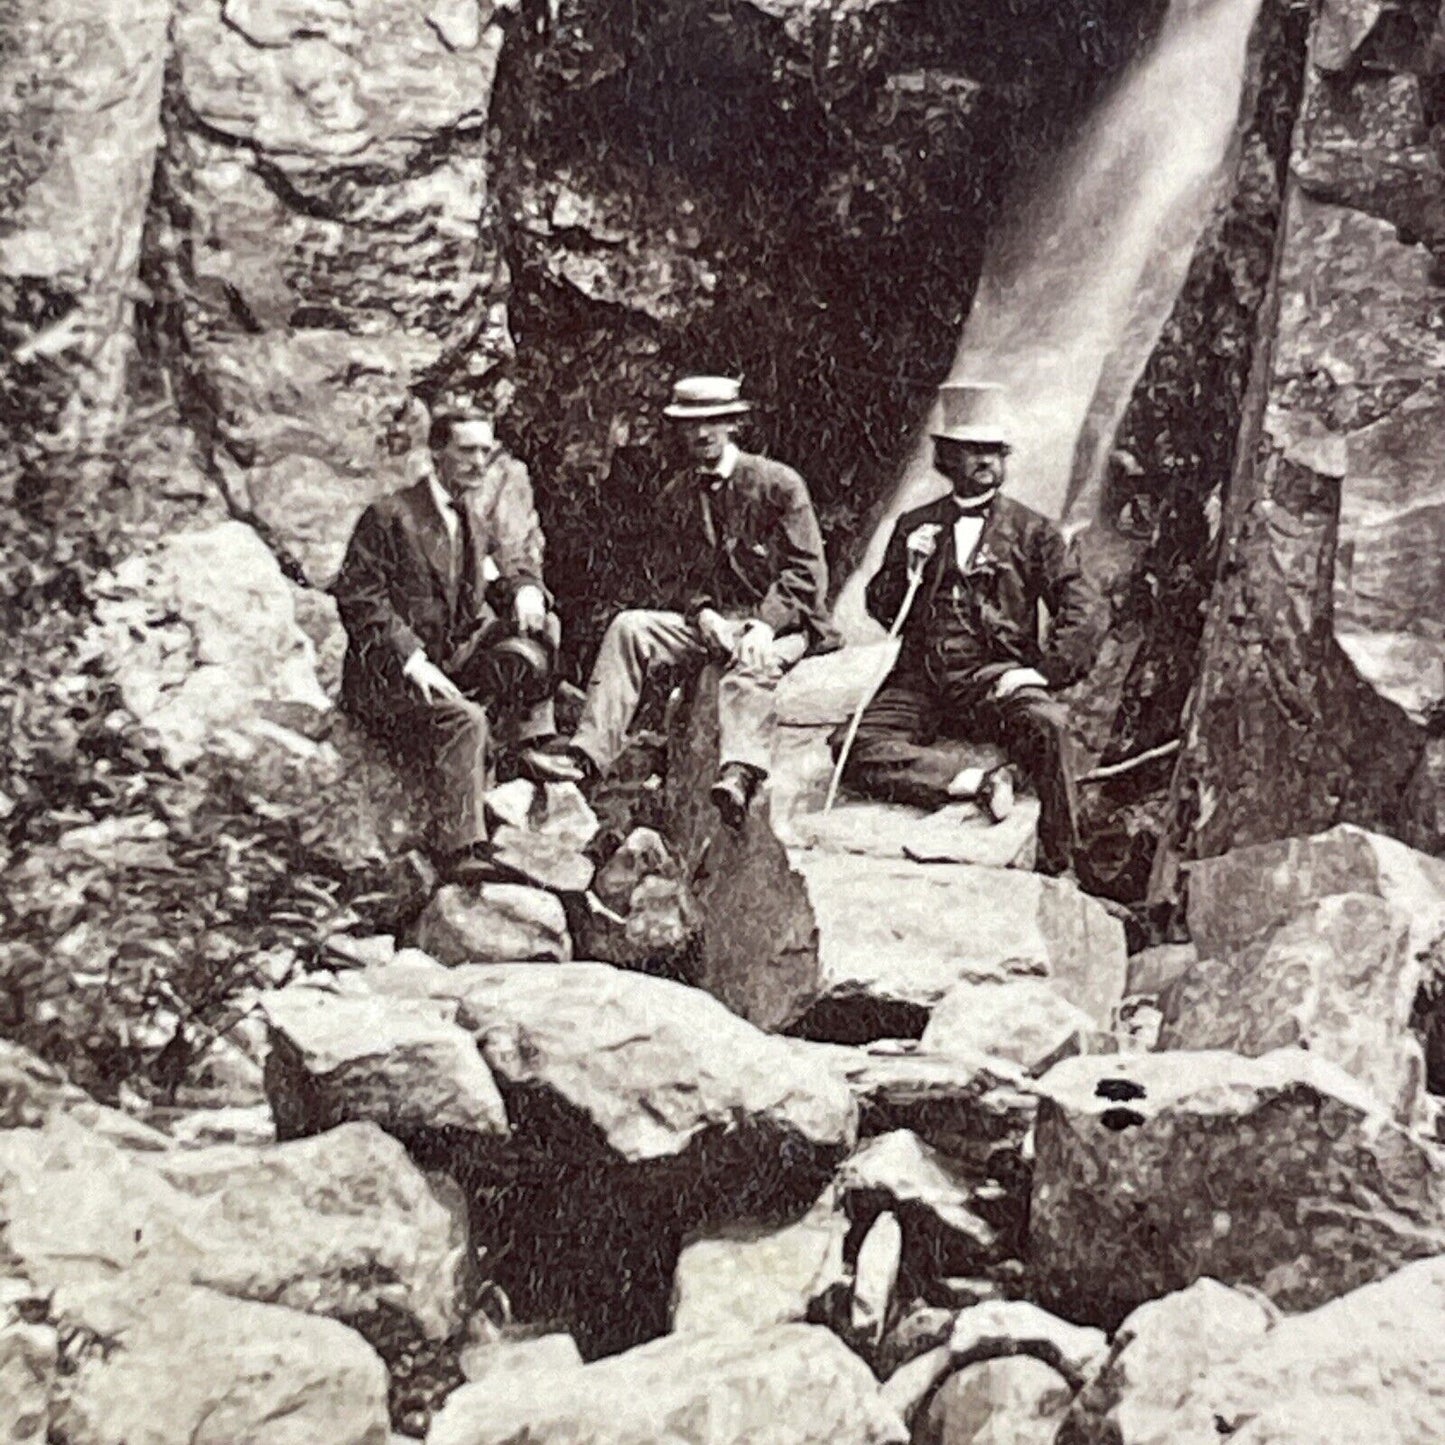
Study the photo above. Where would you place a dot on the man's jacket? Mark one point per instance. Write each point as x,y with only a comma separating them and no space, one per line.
1021,561
750,546
399,588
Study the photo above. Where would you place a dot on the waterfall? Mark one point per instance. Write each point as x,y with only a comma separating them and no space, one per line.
1085,268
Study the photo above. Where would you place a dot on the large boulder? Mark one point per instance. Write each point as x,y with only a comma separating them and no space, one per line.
653,1066
1364,1367
340,1225
785,1385
897,933
1150,1168
1339,978
169,1365
493,923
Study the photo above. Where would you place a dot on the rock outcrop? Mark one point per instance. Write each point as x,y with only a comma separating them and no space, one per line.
853,946
1319,669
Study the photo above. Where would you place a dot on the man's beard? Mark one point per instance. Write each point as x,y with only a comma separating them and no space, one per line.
972,499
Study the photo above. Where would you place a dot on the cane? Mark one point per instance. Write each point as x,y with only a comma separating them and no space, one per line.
915,576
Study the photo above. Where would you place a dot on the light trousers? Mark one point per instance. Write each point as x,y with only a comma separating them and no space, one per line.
637,641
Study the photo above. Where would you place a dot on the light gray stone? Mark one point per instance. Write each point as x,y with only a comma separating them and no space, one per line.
786,1385
749,1279
1024,1021
493,923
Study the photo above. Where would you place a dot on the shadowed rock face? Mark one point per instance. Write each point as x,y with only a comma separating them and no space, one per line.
1319,671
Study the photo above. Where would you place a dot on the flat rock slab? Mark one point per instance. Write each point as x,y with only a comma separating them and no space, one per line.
960,833
649,1063
1024,1021
1149,1170
788,1385
902,933
1364,1367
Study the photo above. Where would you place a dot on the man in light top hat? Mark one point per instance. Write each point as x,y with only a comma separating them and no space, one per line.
975,665
442,599
748,590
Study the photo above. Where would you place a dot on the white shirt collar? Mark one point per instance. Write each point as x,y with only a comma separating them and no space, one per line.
446,507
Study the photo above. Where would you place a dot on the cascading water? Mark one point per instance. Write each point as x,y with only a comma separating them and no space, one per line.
1081,277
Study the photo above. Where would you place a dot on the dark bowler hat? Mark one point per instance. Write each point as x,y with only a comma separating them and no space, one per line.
975,412
701,398
517,670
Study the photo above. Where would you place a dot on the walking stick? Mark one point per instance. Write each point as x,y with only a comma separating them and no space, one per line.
915,576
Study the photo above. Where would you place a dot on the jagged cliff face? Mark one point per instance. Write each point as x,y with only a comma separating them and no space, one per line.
1318,683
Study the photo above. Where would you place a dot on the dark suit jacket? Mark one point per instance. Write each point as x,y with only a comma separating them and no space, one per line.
752,546
1021,560
393,594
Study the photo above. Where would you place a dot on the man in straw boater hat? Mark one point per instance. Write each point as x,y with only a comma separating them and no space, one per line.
975,665
449,628
748,588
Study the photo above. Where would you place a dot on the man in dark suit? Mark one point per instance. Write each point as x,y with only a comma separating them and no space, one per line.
975,665
747,588
434,576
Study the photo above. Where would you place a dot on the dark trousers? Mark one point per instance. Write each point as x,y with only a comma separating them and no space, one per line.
449,742
914,735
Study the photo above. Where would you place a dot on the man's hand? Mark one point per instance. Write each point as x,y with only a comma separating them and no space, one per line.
1014,679
531,607
430,680
719,634
755,647
922,544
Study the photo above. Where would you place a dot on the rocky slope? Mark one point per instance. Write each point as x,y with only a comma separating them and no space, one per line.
849,1128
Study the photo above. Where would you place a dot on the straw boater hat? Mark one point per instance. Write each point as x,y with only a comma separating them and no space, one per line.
702,398
973,411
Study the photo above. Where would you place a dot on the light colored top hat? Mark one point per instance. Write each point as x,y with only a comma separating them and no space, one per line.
973,411
700,398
